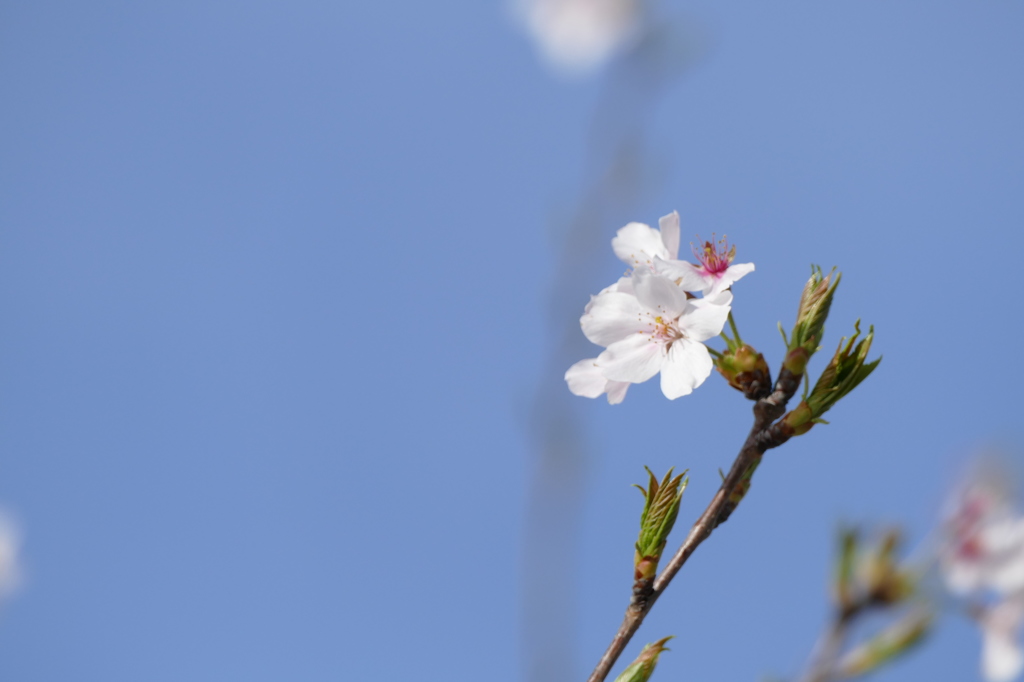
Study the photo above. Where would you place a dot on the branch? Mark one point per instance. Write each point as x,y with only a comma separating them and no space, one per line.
763,436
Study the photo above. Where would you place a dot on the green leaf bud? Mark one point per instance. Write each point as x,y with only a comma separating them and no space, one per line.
815,302
844,372
642,668
661,506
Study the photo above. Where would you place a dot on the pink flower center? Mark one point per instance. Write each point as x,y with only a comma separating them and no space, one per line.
715,257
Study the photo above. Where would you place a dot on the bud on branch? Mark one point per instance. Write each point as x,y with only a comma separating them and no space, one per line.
844,373
815,302
642,668
661,506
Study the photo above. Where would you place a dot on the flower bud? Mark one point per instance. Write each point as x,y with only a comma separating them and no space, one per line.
642,668
746,370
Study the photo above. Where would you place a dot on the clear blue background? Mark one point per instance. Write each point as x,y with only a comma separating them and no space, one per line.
277,282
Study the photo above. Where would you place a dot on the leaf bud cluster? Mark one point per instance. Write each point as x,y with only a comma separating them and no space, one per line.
661,507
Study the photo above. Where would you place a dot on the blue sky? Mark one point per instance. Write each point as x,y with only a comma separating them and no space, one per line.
283,285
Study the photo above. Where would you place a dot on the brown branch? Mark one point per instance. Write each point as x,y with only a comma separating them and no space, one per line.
763,436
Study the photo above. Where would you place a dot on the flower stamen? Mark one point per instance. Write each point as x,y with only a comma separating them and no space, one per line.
715,256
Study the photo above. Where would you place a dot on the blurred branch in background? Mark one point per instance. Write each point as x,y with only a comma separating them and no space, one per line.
867,580
622,172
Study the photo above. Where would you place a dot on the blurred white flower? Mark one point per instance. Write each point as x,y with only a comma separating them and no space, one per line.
982,557
10,543
984,540
577,36
1001,657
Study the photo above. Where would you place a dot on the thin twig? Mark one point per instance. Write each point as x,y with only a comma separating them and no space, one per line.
763,436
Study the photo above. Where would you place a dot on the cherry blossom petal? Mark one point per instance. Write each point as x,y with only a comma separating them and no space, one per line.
1001,656
688,276
687,366
1004,546
617,391
585,379
636,244
634,359
721,298
612,316
733,274
659,294
669,226
704,320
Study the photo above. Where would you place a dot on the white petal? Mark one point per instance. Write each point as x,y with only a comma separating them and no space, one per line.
721,298
1001,658
634,359
611,317
623,286
669,226
585,379
732,274
636,244
704,319
688,276
687,366
1006,570
659,294
963,577
617,391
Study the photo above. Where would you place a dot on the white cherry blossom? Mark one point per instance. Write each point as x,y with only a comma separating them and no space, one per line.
715,273
656,328
982,558
638,244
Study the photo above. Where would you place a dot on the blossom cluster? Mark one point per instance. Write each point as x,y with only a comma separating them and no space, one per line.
983,559
652,319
